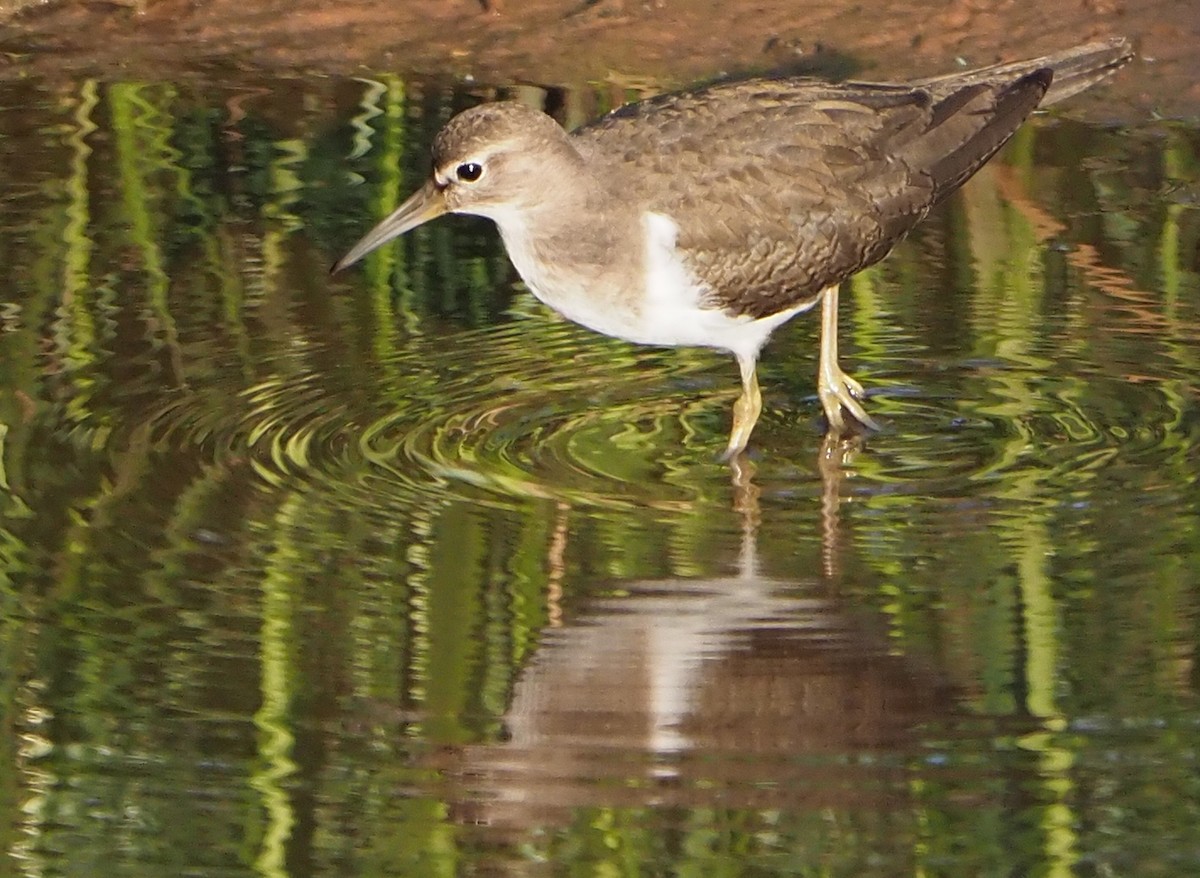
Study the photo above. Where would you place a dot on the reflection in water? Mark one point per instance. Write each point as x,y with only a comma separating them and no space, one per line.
304,575
746,690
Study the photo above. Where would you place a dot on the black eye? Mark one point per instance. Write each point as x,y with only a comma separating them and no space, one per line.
469,172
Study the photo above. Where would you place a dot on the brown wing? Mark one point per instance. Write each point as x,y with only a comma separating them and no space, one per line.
781,188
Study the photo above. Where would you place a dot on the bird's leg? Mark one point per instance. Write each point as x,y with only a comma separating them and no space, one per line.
745,411
837,389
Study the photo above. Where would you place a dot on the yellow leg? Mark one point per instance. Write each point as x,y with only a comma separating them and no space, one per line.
745,411
837,389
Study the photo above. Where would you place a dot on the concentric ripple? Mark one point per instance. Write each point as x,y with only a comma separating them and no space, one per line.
536,408
530,409
565,417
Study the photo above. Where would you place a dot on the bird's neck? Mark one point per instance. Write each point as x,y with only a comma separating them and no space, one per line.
576,231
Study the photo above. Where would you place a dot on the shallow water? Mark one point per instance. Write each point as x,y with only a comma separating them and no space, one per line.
397,573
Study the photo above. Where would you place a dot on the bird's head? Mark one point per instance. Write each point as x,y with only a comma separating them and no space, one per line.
495,160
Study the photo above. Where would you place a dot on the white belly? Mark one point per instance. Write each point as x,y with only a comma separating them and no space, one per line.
665,308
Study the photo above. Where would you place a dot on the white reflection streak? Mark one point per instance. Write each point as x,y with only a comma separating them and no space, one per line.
638,661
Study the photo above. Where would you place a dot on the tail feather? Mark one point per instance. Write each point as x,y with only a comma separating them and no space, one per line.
969,125
1075,69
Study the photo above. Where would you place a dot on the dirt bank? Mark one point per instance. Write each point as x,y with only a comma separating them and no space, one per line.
570,42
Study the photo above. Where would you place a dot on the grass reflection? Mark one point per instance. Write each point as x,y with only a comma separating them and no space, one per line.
280,555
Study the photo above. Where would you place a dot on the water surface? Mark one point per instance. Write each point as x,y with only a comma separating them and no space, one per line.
400,574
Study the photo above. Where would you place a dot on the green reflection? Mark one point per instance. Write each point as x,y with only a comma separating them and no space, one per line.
306,577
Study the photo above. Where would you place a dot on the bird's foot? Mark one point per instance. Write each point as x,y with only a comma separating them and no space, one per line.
838,392
745,415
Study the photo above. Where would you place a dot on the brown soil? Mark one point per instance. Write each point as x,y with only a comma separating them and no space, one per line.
571,42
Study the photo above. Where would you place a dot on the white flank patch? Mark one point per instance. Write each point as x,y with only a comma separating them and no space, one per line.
673,314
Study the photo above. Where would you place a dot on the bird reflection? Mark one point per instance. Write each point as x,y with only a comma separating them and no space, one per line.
765,689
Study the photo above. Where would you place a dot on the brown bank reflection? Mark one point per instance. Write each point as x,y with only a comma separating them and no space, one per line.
747,691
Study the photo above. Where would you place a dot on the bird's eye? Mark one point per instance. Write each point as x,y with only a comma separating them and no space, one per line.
469,172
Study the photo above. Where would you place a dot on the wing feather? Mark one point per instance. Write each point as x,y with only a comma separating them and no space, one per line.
781,188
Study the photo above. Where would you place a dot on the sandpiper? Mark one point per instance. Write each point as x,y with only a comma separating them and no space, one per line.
710,217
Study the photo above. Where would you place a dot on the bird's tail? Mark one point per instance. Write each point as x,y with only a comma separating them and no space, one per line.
1074,69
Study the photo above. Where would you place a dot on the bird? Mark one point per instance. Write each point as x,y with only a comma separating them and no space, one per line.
710,217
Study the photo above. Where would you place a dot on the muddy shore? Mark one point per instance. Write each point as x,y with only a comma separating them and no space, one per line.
573,42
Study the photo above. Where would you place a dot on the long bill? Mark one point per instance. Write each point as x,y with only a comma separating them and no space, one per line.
425,204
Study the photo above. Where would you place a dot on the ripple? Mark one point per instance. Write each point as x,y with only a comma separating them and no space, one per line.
1003,422
566,420
536,408
530,409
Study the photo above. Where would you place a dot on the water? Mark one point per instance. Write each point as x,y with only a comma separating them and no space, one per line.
399,574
